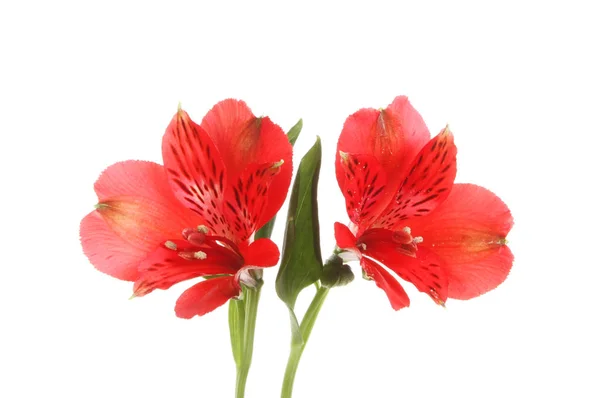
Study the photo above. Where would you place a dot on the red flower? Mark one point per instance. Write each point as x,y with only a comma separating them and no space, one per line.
407,214
196,215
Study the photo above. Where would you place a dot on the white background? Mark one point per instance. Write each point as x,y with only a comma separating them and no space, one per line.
83,85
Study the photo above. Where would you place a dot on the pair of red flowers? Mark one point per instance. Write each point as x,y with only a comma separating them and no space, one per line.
225,178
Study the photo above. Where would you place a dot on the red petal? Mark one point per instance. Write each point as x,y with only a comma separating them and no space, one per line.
426,272
261,253
274,146
139,209
243,139
393,136
235,131
396,294
135,178
165,267
206,296
427,184
468,233
364,188
414,131
479,276
421,268
344,238
136,200
246,200
108,252
196,171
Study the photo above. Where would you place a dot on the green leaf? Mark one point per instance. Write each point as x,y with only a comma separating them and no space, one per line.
294,132
301,263
267,229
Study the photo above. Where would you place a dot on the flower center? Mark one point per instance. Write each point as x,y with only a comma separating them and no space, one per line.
377,240
200,245
406,243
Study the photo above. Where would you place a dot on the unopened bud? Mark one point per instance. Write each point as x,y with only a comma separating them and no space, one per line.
336,273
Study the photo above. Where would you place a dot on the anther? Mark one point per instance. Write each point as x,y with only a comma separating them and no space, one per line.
170,245
407,230
199,255
202,228
418,239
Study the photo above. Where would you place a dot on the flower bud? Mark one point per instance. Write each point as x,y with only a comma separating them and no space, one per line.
336,273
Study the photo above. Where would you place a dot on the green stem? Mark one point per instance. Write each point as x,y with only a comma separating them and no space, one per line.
251,298
237,318
296,350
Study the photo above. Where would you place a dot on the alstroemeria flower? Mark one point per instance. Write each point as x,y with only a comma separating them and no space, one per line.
407,214
196,215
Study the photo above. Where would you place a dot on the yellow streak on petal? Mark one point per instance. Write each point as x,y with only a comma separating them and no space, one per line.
277,164
344,156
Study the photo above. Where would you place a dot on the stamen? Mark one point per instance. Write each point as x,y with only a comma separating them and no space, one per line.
170,245
418,239
407,230
202,228
200,255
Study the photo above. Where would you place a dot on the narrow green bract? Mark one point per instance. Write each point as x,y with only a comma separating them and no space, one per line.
301,263
294,132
